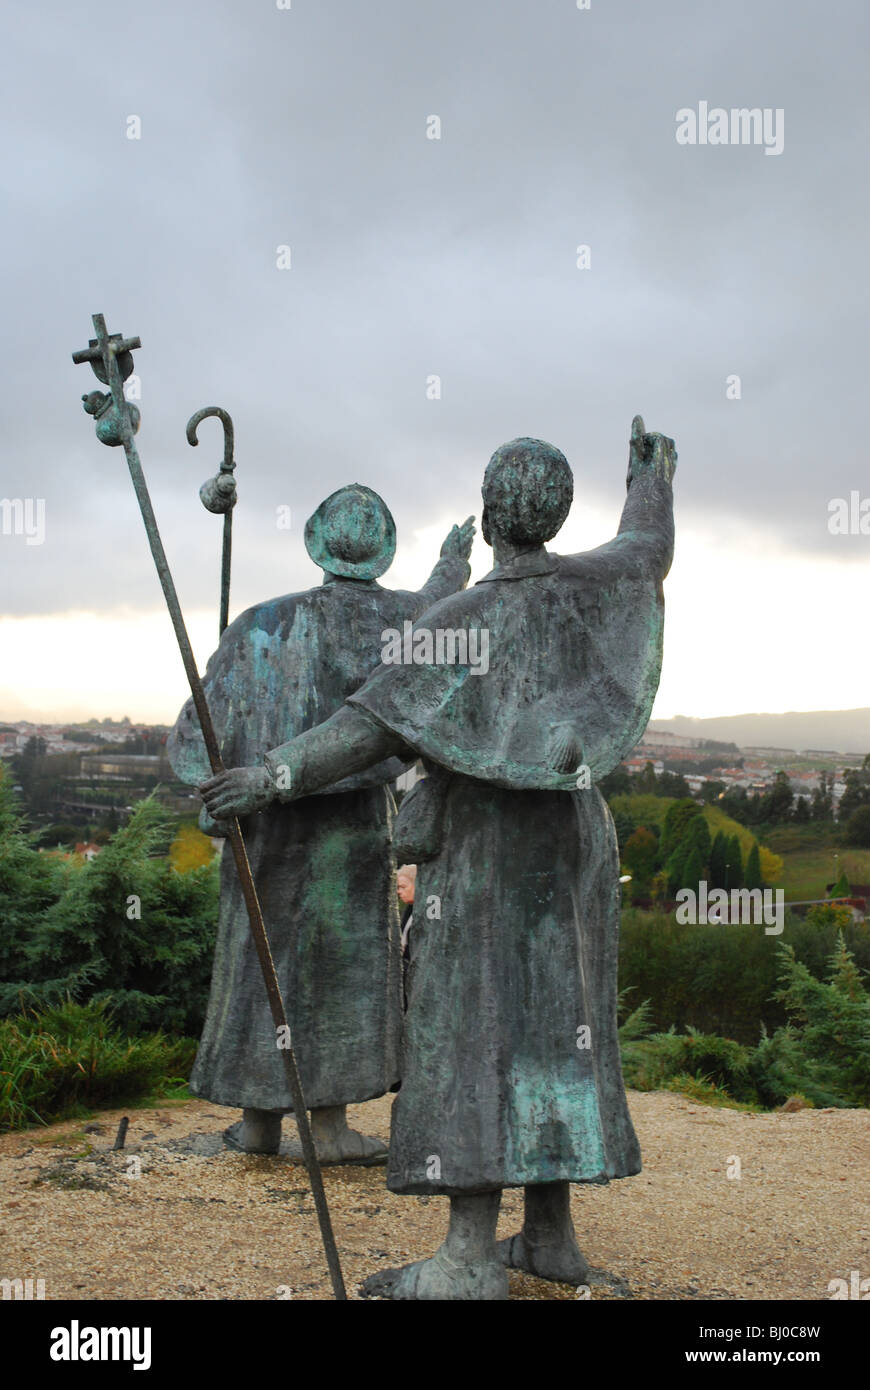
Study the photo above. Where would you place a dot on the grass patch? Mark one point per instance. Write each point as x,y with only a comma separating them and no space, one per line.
806,872
706,1092
68,1061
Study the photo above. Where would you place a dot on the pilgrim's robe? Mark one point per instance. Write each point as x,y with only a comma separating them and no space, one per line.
511,1072
323,866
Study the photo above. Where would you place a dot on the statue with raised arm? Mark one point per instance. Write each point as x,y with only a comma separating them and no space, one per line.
511,1074
322,865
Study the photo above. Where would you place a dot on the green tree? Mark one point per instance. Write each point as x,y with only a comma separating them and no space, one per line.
752,876
125,928
824,1053
673,784
676,820
777,802
30,883
857,791
718,856
693,869
858,827
736,804
734,863
697,837
619,782
675,868
646,781
60,833
640,857
822,803
625,828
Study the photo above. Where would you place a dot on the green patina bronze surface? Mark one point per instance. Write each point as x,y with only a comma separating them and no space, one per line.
514,952
218,495
322,866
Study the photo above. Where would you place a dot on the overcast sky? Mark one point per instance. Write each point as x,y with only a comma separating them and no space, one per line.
411,257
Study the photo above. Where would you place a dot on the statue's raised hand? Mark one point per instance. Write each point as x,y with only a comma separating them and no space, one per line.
650,452
457,544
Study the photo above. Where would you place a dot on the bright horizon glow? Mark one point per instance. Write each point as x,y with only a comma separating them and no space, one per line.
730,648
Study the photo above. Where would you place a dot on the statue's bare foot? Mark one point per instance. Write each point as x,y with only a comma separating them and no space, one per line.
258,1132
336,1142
560,1260
350,1147
439,1279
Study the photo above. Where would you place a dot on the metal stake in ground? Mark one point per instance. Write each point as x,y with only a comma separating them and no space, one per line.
218,495
117,421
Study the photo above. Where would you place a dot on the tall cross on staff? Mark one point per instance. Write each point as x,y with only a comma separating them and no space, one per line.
110,356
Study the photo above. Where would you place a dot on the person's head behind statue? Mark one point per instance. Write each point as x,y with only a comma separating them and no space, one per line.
352,534
406,879
527,492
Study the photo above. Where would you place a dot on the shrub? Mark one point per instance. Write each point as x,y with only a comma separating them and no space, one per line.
125,928
824,1052
723,979
717,1061
72,1058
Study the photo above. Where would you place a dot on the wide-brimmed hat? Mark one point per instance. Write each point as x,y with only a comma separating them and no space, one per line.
352,533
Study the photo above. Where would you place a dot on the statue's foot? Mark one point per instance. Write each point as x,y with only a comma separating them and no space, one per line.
439,1279
253,1139
349,1146
560,1260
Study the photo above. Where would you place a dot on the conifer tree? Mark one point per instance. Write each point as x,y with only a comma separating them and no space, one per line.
752,875
718,855
734,858
693,870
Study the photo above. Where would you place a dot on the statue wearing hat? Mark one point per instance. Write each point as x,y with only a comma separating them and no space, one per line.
323,866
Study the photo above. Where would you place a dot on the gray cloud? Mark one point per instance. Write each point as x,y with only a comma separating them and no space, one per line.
412,257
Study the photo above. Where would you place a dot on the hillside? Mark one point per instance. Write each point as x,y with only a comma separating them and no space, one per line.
841,730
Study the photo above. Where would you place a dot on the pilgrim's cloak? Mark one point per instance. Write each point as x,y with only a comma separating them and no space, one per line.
322,865
511,1072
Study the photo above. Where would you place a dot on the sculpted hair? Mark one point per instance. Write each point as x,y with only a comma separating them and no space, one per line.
527,491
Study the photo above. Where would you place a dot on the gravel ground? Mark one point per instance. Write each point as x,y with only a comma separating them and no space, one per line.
200,1222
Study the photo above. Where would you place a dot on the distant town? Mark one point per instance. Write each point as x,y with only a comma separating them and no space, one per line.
755,768
93,772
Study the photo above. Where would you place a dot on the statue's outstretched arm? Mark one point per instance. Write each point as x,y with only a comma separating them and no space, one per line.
646,528
452,570
348,742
